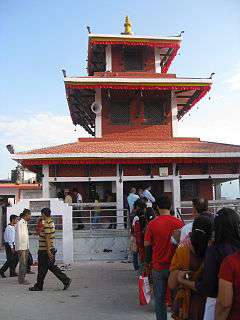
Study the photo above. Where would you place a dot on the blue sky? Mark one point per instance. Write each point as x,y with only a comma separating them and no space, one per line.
39,38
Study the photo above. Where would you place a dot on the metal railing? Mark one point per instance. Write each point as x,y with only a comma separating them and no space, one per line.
185,211
99,216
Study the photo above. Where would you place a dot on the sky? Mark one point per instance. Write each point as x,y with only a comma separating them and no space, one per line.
40,38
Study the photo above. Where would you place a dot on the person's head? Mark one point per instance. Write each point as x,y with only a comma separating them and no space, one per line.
149,188
199,206
26,215
133,190
227,227
45,213
13,219
139,204
75,191
140,191
201,235
163,205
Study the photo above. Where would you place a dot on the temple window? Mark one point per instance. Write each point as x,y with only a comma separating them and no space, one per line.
133,59
154,112
120,112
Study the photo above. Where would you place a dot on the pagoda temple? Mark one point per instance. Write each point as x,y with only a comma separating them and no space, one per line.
131,106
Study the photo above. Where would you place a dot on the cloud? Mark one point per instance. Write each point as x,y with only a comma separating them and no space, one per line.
34,131
234,80
40,130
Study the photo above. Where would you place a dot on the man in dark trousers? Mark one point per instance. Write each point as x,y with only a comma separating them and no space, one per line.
160,250
9,243
46,253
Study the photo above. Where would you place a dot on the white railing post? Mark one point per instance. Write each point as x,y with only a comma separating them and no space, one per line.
67,235
45,181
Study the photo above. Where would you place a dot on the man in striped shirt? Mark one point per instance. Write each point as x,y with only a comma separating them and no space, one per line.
46,253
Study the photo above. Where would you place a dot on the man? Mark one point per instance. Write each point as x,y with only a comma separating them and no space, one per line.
200,207
159,250
147,194
9,243
46,253
132,198
22,244
77,198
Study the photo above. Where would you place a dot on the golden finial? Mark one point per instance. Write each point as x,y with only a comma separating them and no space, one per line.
127,26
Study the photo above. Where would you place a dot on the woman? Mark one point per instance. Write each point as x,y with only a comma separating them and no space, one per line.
228,301
226,242
189,304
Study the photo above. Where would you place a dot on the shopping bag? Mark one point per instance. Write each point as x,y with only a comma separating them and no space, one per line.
144,290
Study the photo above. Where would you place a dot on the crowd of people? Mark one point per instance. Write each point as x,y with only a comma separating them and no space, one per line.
16,242
192,267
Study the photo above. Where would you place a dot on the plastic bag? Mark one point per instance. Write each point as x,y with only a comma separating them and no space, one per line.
144,290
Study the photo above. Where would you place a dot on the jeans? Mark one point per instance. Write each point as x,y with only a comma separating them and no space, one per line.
22,256
12,260
44,264
160,279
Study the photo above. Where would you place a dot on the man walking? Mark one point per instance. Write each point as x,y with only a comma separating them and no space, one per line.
160,250
9,243
147,194
46,253
22,244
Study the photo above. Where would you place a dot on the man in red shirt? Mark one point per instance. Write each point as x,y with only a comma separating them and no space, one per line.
160,250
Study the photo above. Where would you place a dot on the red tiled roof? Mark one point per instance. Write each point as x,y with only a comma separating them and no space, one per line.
21,186
100,146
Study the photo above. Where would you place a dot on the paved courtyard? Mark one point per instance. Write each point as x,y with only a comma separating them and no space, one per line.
100,290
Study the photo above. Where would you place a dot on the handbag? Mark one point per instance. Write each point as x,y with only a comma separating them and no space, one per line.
144,290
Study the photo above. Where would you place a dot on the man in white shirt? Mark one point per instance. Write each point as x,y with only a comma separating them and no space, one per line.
147,194
22,244
132,198
9,243
77,198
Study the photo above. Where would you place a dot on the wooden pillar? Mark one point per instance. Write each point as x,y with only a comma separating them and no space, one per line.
98,119
174,114
45,182
157,60
119,199
108,58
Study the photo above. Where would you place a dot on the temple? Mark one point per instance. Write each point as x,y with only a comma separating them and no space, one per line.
131,106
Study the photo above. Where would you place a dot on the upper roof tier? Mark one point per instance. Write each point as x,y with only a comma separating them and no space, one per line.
103,47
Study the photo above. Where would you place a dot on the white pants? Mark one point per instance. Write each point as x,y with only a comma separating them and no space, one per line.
210,306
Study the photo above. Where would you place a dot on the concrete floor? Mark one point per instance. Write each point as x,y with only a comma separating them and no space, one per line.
100,290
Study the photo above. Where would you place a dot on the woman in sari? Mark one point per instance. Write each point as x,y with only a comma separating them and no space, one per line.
189,304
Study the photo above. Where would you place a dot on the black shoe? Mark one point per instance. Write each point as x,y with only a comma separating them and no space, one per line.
2,275
13,275
67,284
35,289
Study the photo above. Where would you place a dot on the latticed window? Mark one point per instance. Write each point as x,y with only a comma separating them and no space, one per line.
154,112
133,59
189,190
120,112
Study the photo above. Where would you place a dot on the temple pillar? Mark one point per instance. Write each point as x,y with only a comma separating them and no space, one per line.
108,58
176,191
119,199
157,60
45,181
98,119
174,114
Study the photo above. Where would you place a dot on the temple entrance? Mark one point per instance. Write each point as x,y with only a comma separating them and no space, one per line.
157,186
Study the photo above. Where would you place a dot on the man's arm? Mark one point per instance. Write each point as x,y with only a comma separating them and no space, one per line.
224,299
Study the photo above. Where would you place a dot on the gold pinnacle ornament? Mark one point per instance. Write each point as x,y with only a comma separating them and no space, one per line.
127,26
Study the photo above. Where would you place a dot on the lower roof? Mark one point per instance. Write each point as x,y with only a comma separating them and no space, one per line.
21,186
100,149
